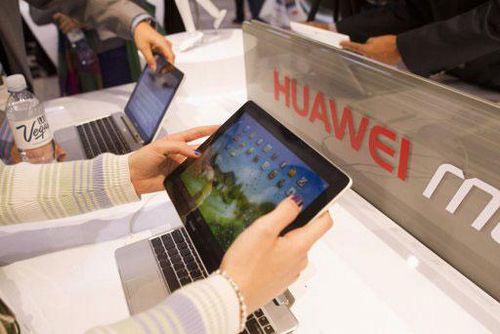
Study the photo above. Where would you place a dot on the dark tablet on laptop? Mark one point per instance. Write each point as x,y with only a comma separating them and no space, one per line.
246,168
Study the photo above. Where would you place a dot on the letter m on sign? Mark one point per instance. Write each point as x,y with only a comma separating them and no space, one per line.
468,184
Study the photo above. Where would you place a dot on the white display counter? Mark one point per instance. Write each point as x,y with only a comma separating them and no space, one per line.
367,275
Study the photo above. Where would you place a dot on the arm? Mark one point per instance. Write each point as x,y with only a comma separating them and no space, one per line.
114,15
42,17
447,44
394,19
213,306
37,192
122,17
207,306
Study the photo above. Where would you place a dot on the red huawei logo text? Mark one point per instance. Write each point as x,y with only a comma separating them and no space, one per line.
325,111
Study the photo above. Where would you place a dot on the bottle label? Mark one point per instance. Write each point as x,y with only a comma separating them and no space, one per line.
32,133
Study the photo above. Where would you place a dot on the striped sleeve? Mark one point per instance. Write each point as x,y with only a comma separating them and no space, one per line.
209,306
37,192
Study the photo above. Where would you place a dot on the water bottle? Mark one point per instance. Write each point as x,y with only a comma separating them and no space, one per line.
88,63
27,120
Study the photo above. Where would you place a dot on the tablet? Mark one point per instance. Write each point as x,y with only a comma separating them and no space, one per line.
249,165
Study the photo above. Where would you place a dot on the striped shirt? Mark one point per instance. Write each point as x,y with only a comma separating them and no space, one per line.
37,192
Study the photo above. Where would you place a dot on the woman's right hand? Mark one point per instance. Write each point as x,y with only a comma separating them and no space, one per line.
263,263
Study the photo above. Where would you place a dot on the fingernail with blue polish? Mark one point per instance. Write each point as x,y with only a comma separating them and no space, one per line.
197,153
298,200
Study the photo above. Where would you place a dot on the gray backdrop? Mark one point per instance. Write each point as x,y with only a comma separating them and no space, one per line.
425,155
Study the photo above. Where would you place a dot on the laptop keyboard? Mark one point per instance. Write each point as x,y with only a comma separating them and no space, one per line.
181,265
101,136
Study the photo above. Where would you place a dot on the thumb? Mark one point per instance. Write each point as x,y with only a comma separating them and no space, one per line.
308,234
282,216
356,47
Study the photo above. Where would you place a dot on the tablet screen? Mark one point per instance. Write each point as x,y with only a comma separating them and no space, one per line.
246,168
243,175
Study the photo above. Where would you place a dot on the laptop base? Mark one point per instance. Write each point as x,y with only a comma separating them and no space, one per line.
145,271
70,139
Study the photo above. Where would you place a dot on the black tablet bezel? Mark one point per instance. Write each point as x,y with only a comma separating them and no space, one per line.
199,231
160,62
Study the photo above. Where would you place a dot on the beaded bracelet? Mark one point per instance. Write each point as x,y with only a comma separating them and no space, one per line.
243,306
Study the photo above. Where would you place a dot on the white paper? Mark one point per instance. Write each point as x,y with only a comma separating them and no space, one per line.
324,36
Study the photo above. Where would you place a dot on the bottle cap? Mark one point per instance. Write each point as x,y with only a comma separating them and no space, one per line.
16,83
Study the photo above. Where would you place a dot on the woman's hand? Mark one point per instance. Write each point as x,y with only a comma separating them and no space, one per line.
151,164
262,263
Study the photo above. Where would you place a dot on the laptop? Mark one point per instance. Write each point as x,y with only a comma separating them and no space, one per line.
124,132
246,168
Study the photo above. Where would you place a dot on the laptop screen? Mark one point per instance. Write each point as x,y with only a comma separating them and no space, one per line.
151,97
250,165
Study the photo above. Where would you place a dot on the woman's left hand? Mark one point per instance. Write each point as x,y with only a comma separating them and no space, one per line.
151,164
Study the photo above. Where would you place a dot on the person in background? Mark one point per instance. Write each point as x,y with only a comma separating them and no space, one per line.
460,37
172,21
254,5
342,9
117,58
239,8
122,17
258,266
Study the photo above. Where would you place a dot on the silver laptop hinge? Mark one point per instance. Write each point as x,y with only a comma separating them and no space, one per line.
131,129
286,298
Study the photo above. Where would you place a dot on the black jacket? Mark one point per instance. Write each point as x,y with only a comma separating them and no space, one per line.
461,37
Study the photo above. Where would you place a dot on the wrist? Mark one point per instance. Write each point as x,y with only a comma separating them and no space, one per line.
140,20
239,295
244,286
134,179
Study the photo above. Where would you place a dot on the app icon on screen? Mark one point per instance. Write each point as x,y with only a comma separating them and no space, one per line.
233,153
280,183
265,165
246,129
252,135
267,148
243,144
302,182
274,157
237,138
272,174
291,191
259,142
256,158
283,164
250,151
291,172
